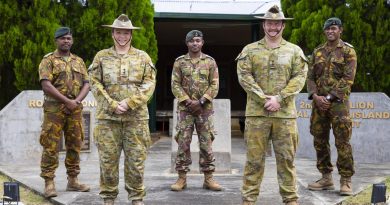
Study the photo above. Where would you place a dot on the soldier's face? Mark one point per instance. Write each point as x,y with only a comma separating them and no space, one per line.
333,33
195,44
121,36
272,28
64,43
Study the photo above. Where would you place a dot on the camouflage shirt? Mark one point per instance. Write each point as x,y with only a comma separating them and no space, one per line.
264,71
67,75
332,71
195,78
116,77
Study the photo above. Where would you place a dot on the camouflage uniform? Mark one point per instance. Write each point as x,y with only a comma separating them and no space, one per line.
332,71
263,71
113,78
193,79
68,76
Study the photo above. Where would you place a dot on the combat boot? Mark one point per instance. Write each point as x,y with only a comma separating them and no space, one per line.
181,182
325,183
346,186
209,182
248,203
137,202
50,188
292,203
74,185
109,201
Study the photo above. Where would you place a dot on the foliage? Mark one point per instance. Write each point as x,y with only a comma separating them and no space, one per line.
366,24
27,28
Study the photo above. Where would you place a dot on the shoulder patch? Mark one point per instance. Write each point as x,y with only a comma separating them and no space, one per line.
182,56
349,45
47,55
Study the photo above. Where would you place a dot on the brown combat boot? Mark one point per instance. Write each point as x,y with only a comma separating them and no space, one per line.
137,202
325,183
292,203
209,182
74,185
181,182
109,201
50,188
248,203
346,186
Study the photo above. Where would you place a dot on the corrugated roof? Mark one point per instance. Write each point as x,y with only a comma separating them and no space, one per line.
230,7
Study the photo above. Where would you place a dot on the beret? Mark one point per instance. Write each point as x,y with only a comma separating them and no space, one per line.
332,21
194,33
62,31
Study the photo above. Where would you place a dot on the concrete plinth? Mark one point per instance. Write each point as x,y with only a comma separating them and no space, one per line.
222,142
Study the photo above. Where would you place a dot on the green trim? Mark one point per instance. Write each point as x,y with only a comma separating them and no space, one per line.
170,15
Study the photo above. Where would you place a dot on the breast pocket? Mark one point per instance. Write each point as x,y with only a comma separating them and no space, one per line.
110,73
338,68
136,72
204,75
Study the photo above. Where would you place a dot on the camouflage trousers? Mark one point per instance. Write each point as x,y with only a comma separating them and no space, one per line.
337,118
284,136
111,137
55,124
204,128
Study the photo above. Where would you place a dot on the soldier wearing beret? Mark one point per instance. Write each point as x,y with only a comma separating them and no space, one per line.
123,79
329,82
195,84
272,71
64,81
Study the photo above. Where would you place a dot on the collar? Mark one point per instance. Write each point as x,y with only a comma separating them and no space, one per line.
113,52
262,42
57,55
202,56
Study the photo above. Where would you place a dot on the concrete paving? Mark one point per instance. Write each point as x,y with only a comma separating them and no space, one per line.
158,179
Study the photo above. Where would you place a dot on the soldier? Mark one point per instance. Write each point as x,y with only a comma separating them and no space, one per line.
195,84
272,71
123,79
64,81
329,82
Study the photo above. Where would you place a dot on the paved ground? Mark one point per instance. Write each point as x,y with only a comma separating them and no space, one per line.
158,180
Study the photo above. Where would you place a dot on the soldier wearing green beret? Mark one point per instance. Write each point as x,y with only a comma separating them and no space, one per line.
329,82
123,79
195,83
64,81
272,71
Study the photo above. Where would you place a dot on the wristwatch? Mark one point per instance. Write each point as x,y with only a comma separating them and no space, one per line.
329,97
202,102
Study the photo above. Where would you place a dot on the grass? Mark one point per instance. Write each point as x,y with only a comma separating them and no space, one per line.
27,196
364,197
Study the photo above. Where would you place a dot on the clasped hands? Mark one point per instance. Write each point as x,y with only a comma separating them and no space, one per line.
321,102
122,107
193,106
271,103
71,105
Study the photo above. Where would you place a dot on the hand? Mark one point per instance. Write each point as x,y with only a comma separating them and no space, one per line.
272,104
71,105
194,107
124,105
321,102
120,110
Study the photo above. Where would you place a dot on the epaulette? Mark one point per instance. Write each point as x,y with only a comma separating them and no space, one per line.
207,56
48,54
349,45
182,56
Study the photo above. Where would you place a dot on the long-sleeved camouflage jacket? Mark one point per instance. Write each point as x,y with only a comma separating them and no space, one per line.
264,71
332,71
193,79
66,75
117,77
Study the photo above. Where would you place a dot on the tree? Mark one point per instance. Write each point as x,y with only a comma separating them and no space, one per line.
25,27
366,24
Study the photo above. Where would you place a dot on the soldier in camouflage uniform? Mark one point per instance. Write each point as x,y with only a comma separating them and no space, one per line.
123,79
329,82
195,84
272,71
64,81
